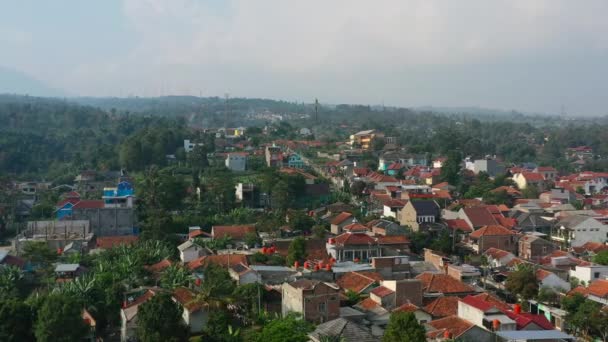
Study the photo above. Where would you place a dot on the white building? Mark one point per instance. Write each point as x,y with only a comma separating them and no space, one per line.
236,162
551,280
590,273
189,251
189,145
576,230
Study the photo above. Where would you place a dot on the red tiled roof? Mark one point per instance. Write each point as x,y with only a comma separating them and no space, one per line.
478,303
443,306
382,291
580,290
343,216
480,216
492,230
507,222
235,232
542,274
393,239
395,166
159,266
89,204
367,304
224,260
195,233
12,260
590,246
395,203
458,224
598,288
441,185
107,242
533,176
509,190
454,324
546,169
523,319
355,227
358,281
443,283
496,253
442,194
187,299
486,297
407,307
141,299
62,203
354,239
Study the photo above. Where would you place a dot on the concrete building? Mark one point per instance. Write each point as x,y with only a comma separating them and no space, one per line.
590,273
494,236
236,162
576,230
189,251
274,156
489,166
418,213
195,312
315,300
533,247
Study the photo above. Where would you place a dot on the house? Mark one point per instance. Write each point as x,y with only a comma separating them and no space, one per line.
189,145
421,315
353,246
361,282
477,217
418,213
128,312
65,272
236,161
442,306
244,274
533,247
551,280
392,207
340,221
526,179
467,274
442,284
576,230
483,314
236,233
295,161
589,273
456,328
195,312
549,173
342,329
498,257
590,249
10,260
530,221
598,291
489,166
274,156
365,139
189,251
385,228
315,300
492,236
223,260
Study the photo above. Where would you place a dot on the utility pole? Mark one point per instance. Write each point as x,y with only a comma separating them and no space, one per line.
316,111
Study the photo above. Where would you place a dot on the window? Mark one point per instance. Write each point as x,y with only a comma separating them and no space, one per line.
596,275
322,307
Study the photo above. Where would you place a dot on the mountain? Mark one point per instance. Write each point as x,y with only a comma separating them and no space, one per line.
16,82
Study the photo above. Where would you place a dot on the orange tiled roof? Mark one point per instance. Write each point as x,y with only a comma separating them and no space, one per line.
224,260
107,242
486,297
382,291
367,304
392,239
496,253
490,231
442,306
542,274
187,299
159,266
358,281
235,232
343,216
580,290
458,224
407,307
598,288
442,283
454,324
354,239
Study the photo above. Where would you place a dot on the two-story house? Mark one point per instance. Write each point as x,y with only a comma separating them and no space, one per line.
493,236
576,230
315,300
236,161
418,213
533,247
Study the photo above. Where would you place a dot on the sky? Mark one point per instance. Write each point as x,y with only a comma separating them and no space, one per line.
526,55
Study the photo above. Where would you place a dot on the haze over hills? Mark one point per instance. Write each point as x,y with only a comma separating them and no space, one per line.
16,82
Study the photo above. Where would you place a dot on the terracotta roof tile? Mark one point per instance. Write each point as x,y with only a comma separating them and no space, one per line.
442,306
355,227
367,304
443,283
343,216
580,290
490,231
486,297
542,274
354,239
107,242
407,307
159,266
454,324
480,216
599,288
358,281
89,204
393,240
496,253
458,224
188,299
382,291
235,232
224,260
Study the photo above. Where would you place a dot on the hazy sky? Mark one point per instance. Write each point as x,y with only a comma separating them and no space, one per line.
527,55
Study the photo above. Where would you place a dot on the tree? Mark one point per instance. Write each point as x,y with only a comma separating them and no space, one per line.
300,221
352,297
356,189
60,319
175,276
319,231
289,328
547,295
217,284
296,251
523,282
450,171
530,191
15,321
280,196
10,281
39,253
252,239
601,257
403,327
443,243
160,319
